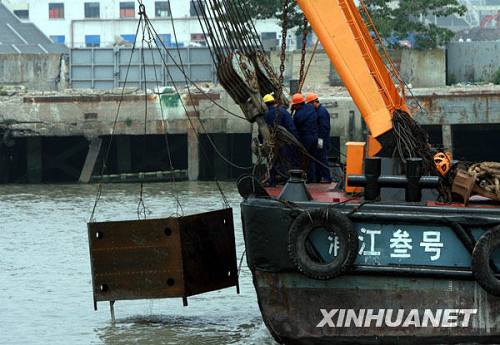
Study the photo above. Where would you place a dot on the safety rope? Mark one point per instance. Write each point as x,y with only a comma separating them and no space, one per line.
412,140
487,176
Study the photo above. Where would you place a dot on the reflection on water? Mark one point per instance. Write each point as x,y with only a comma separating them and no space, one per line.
45,282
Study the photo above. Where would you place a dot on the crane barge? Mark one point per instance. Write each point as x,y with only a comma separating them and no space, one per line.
390,259
391,266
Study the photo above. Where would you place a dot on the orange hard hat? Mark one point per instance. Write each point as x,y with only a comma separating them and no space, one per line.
311,97
443,162
298,98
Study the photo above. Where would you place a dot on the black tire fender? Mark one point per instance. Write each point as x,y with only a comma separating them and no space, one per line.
481,261
333,221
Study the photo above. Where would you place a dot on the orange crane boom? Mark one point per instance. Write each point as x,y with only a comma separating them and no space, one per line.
345,37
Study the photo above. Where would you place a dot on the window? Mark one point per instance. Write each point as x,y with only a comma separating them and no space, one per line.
22,14
269,40
268,36
58,39
92,10
127,9
128,38
299,43
198,40
56,10
162,9
92,41
195,8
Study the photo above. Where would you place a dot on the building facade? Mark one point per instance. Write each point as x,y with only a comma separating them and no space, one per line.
106,23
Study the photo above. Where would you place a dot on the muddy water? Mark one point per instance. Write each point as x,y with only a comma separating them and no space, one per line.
45,282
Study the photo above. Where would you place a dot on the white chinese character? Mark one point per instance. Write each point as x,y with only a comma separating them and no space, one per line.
334,245
372,234
432,244
401,243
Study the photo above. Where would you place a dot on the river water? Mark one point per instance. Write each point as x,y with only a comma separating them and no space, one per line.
45,281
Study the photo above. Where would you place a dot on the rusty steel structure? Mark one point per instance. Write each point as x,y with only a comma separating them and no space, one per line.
163,258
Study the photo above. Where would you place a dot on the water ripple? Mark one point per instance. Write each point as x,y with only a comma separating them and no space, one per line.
45,283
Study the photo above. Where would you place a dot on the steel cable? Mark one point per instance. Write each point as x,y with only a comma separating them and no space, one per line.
106,155
191,98
224,198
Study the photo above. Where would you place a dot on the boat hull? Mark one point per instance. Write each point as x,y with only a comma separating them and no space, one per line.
378,301
292,304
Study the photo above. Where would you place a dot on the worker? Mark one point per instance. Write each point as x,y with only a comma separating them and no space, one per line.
273,109
287,159
306,122
323,174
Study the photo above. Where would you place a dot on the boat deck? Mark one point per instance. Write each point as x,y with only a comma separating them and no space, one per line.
328,193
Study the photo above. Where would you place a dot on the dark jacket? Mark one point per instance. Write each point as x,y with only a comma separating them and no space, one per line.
306,121
323,123
285,119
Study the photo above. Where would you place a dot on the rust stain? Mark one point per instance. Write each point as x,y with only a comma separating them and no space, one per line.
195,98
163,258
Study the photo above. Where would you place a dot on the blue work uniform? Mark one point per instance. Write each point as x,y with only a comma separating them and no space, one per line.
306,122
322,172
286,152
285,118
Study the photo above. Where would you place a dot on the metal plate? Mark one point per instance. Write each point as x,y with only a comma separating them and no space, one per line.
162,258
209,252
135,259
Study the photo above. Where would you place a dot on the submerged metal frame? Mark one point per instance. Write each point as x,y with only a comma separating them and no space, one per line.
163,258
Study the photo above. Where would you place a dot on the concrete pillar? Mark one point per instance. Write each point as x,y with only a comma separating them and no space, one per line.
92,155
123,154
34,159
193,155
447,137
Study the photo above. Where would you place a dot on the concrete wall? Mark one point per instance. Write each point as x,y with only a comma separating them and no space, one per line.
473,62
424,68
318,74
420,68
34,71
91,115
